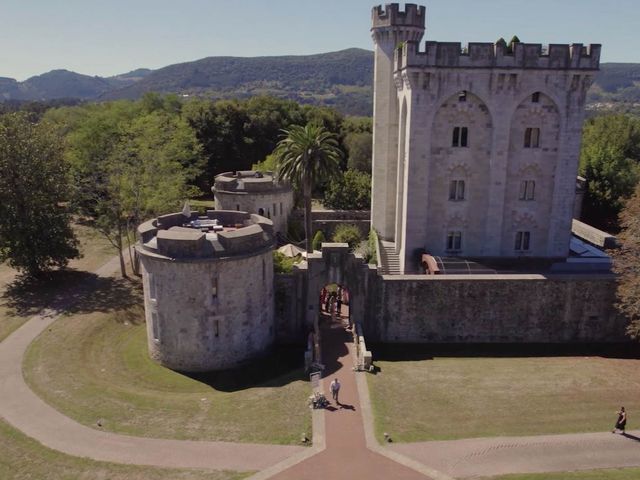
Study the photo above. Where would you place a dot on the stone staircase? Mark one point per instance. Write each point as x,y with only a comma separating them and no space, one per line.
390,261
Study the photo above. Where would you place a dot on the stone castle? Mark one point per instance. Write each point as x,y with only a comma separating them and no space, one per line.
475,159
475,148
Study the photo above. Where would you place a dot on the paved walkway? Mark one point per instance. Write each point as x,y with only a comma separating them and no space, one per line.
27,412
346,455
545,453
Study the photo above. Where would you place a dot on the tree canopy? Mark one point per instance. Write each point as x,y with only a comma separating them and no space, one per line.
35,231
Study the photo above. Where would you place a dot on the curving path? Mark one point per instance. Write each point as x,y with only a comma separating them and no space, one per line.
352,450
24,410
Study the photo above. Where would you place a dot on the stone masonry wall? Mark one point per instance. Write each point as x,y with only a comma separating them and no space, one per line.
491,308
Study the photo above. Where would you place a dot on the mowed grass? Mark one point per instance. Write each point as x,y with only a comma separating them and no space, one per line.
24,458
605,474
94,366
20,299
452,398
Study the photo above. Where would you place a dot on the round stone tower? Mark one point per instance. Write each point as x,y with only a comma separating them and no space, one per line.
255,192
208,288
390,28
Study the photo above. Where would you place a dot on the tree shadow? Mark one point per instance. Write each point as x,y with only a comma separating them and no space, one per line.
394,352
71,291
284,364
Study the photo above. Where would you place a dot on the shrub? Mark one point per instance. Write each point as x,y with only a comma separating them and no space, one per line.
318,238
345,233
282,263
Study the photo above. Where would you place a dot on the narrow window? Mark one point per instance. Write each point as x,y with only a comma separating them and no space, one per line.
532,138
462,96
155,328
535,98
274,209
152,287
237,206
527,190
280,208
214,288
456,190
216,328
261,211
460,137
268,214
454,241
463,137
522,241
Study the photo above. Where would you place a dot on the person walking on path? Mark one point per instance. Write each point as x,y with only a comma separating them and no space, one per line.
622,421
335,389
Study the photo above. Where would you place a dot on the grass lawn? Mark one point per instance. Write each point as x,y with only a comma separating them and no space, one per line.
24,458
608,474
450,398
19,300
93,365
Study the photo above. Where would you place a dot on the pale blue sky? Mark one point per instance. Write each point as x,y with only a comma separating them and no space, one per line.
108,37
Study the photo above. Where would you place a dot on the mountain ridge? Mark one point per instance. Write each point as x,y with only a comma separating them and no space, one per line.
342,79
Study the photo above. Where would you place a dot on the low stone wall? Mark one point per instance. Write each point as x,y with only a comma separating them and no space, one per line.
495,308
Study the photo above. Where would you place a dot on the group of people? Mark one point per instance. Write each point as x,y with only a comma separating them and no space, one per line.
331,301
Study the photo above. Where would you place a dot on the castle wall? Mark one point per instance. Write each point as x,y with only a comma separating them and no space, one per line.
495,308
208,315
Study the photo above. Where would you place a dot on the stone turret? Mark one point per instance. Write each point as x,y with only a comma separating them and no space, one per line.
391,27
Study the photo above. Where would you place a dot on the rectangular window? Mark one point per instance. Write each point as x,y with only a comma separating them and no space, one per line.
152,287
527,190
237,206
280,208
155,328
522,241
460,137
456,190
214,288
274,210
454,241
535,98
532,138
462,96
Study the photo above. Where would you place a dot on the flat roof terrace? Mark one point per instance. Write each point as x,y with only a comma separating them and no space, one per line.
220,233
248,181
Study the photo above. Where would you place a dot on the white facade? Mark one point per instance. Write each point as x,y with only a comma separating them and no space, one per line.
475,150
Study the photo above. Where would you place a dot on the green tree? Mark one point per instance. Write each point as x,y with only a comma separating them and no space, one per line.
609,162
351,191
306,156
359,148
345,233
131,163
35,231
627,264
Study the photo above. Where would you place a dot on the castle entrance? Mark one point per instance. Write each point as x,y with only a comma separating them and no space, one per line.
333,305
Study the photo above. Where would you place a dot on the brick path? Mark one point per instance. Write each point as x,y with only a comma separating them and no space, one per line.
346,455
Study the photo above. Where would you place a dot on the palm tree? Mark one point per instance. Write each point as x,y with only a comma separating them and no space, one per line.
305,156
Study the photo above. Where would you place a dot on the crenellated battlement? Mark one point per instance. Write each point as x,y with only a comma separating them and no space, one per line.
489,55
392,16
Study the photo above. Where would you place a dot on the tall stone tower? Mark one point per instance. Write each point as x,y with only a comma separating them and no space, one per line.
476,147
391,27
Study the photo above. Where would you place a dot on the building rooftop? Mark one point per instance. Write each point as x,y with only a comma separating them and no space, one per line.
248,181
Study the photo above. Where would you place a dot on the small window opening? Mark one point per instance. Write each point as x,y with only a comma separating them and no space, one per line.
532,138
462,96
152,287
522,241
460,137
261,211
155,328
214,288
216,328
280,208
274,210
527,190
535,98
456,190
454,241
237,206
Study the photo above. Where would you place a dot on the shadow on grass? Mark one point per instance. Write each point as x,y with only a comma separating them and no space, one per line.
72,291
283,365
415,352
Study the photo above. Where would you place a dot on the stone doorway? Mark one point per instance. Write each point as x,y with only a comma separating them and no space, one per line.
334,305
